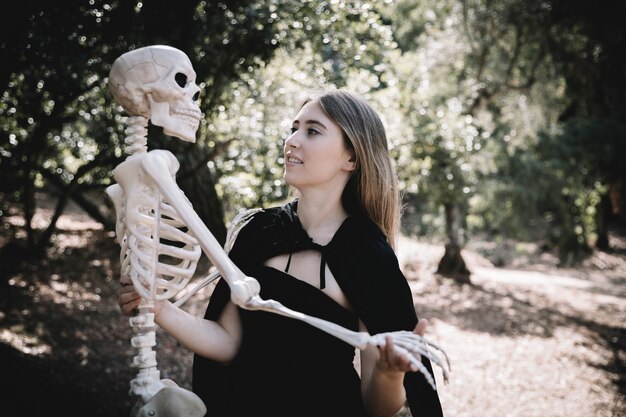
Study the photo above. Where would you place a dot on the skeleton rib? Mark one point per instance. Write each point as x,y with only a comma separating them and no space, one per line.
187,252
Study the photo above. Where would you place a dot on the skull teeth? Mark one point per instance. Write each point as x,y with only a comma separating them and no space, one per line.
190,116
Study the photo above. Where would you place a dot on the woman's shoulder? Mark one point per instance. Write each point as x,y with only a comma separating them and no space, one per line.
366,234
262,234
258,226
264,217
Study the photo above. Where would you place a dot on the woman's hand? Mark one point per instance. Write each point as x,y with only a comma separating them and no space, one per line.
128,299
390,360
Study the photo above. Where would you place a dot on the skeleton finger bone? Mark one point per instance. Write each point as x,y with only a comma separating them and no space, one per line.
415,345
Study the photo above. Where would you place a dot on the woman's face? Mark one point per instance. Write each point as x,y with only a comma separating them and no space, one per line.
315,152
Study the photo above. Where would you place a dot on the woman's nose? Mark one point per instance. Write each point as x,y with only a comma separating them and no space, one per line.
293,141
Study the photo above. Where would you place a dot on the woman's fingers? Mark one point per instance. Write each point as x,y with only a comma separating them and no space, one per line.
390,359
420,329
128,299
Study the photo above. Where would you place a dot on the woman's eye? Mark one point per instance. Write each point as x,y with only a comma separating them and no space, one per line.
294,130
312,131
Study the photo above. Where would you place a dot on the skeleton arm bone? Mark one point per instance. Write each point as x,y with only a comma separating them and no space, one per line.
406,343
245,290
116,193
157,165
238,223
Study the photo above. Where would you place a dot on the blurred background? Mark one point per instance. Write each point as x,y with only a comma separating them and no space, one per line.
507,123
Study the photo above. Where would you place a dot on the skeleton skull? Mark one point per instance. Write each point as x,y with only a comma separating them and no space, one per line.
158,82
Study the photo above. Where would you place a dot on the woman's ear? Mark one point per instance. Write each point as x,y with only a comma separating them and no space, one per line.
350,164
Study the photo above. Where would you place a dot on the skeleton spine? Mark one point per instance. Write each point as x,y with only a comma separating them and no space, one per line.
136,135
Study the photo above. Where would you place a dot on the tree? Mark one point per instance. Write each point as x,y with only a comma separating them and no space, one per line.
513,72
345,46
452,62
588,50
59,125
579,90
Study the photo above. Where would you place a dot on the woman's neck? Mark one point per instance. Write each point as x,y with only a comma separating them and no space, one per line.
320,216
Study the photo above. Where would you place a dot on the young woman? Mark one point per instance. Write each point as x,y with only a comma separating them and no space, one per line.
328,253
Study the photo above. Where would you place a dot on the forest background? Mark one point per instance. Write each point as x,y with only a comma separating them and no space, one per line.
506,120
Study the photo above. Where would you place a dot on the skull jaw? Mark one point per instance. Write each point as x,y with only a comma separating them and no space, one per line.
175,124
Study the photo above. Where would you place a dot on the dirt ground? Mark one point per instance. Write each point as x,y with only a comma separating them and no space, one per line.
526,339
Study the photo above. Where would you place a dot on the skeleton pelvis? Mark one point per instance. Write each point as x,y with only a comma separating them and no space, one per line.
171,401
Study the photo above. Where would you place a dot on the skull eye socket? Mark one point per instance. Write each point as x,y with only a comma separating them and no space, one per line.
181,79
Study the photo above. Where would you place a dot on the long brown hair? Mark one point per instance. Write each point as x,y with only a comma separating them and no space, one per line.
372,189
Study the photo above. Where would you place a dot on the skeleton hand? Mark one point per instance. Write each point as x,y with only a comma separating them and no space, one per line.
413,345
391,359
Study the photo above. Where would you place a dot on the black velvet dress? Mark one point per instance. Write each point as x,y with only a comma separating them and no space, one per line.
286,367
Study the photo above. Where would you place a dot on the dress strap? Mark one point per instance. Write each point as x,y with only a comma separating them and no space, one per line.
322,250
323,271
288,263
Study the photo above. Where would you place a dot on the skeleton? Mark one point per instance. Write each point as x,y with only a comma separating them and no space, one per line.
162,237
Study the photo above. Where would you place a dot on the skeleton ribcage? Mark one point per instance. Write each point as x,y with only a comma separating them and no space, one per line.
158,253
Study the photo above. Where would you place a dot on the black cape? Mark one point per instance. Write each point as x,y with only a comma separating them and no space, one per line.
365,267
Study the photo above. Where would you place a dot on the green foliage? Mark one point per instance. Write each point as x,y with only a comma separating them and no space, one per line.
60,128
342,49
504,109
512,111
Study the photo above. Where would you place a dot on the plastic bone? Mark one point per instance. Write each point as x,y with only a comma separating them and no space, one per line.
171,401
159,83
156,255
150,205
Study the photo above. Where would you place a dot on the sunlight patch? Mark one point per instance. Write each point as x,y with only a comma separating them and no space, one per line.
68,293
25,343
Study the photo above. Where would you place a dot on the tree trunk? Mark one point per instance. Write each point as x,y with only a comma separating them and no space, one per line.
603,213
28,204
617,194
194,178
90,206
196,181
452,264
